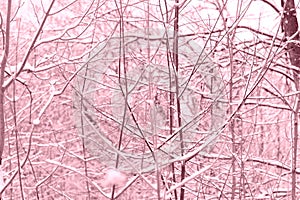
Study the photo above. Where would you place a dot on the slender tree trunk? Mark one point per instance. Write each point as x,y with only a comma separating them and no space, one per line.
3,65
176,65
290,28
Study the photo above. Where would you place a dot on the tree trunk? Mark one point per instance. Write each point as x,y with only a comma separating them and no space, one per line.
2,71
290,28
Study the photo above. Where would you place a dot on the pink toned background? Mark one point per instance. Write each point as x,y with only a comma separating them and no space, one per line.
252,157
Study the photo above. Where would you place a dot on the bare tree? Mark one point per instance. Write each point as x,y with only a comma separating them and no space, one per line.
290,27
149,99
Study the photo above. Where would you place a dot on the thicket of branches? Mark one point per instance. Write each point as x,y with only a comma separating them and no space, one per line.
250,153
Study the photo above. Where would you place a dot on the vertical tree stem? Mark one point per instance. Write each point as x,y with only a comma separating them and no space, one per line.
2,89
176,65
290,28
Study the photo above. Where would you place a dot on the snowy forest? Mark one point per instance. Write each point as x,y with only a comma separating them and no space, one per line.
163,100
